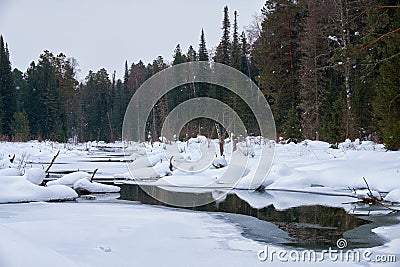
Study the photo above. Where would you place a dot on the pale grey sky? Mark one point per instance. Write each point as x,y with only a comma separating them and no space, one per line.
105,33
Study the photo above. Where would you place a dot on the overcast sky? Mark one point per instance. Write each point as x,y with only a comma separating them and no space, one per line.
105,33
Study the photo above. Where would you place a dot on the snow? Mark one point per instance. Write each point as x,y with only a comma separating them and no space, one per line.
104,234
220,162
85,185
35,175
333,38
392,234
393,196
310,163
19,189
69,179
116,234
10,172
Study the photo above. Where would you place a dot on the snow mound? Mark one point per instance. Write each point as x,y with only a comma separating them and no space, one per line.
18,189
69,179
35,175
85,186
219,162
393,196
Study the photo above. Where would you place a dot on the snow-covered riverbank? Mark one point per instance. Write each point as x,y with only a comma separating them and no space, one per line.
111,234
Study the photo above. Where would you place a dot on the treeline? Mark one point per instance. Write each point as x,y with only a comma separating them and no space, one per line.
329,69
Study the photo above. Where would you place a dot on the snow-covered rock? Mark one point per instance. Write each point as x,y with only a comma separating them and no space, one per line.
35,175
84,186
220,162
393,196
69,179
19,189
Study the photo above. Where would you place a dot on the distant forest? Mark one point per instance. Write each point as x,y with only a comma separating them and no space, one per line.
329,69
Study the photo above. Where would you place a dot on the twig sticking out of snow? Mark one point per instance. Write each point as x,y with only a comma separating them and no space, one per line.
94,173
51,163
372,199
370,192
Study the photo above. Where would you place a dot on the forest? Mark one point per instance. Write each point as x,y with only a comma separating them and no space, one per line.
330,70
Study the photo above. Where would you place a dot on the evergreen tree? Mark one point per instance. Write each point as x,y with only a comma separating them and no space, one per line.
97,105
66,85
178,56
191,54
20,127
235,44
244,55
203,53
44,105
118,110
385,52
20,87
223,52
276,56
160,111
7,90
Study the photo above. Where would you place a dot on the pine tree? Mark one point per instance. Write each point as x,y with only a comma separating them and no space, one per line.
223,52
8,103
203,53
276,56
178,56
67,85
244,55
97,105
235,44
44,105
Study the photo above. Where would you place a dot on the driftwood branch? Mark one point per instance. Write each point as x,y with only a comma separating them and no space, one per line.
94,173
52,162
370,192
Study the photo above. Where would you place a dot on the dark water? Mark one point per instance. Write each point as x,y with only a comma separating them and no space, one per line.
317,227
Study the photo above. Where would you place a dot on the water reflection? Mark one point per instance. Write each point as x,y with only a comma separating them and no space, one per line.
314,226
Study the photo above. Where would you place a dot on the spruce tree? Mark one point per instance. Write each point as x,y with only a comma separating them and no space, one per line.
7,91
276,56
244,55
178,56
203,53
235,44
223,52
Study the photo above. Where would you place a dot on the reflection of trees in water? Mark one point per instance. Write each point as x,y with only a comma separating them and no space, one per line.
309,226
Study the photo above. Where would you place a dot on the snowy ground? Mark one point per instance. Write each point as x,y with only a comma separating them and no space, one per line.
108,234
